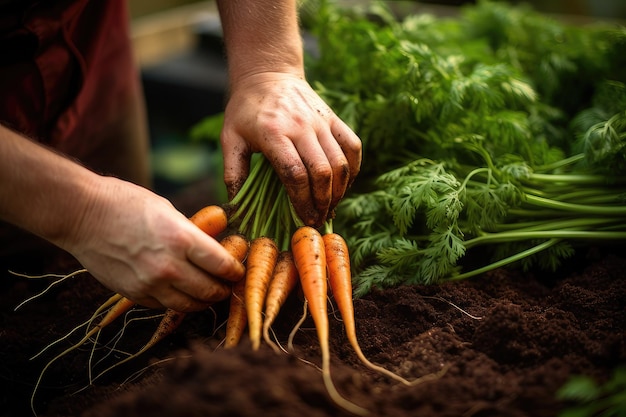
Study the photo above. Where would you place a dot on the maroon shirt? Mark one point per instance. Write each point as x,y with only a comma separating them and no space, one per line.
68,79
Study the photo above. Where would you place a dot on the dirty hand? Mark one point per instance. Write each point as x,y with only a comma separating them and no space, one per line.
137,244
315,154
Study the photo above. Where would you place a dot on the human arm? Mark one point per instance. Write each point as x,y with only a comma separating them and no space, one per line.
272,109
130,239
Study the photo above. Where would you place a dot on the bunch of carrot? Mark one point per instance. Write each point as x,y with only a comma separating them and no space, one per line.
278,252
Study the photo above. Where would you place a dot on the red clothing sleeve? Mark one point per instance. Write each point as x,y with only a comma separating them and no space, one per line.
68,79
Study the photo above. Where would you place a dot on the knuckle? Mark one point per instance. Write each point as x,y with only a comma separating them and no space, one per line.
216,292
294,175
342,171
211,291
164,270
228,268
322,173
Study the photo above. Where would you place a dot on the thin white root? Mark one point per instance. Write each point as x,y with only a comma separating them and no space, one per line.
118,337
295,329
267,327
62,278
113,299
431,377
453,305
66,336
334,395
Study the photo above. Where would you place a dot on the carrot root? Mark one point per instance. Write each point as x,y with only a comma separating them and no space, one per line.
310,259
169,322
284,279
259,268
237,316
120,305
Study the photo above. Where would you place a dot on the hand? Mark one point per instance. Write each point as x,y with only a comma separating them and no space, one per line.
315,154
137,244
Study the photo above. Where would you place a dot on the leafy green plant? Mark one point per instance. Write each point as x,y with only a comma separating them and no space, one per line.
587,398
498,129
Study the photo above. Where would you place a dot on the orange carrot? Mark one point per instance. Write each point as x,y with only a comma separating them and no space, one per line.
237,245
340,280
237,316
211,219
309,255
259,268
120,307
283,281
170,322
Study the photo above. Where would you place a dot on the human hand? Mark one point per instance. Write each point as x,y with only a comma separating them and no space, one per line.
315,154
137,244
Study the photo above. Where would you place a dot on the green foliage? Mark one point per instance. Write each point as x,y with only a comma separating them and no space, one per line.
588,398
499,128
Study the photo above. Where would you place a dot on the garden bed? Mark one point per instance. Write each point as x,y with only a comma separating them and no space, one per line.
499,345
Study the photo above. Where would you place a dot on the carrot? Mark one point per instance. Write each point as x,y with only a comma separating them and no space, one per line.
259,268
237,316
340,280
284,279
238,246
170,322
211,219
118,306
309,255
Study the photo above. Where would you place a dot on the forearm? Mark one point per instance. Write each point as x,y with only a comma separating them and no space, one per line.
42,192
261,36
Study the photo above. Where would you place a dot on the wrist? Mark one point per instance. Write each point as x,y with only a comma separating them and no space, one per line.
261,36
82,209
43,192
239,73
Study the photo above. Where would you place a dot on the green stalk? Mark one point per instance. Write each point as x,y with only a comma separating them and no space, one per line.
560,164
576,208
504,237
578,179
262,207
555,224
592,196
506,261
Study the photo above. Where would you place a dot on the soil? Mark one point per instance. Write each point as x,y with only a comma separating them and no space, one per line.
498,345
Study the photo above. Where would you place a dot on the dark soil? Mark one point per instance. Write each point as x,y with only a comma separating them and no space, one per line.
498,345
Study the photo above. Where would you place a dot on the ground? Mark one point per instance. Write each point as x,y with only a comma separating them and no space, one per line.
498,345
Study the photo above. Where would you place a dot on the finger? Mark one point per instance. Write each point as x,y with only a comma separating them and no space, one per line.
319,171
213,259
292,172
179,300
350,145
339,165
197,291
170,298
145,301
237,154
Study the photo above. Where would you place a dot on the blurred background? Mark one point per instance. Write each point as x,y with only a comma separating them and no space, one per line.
178,46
